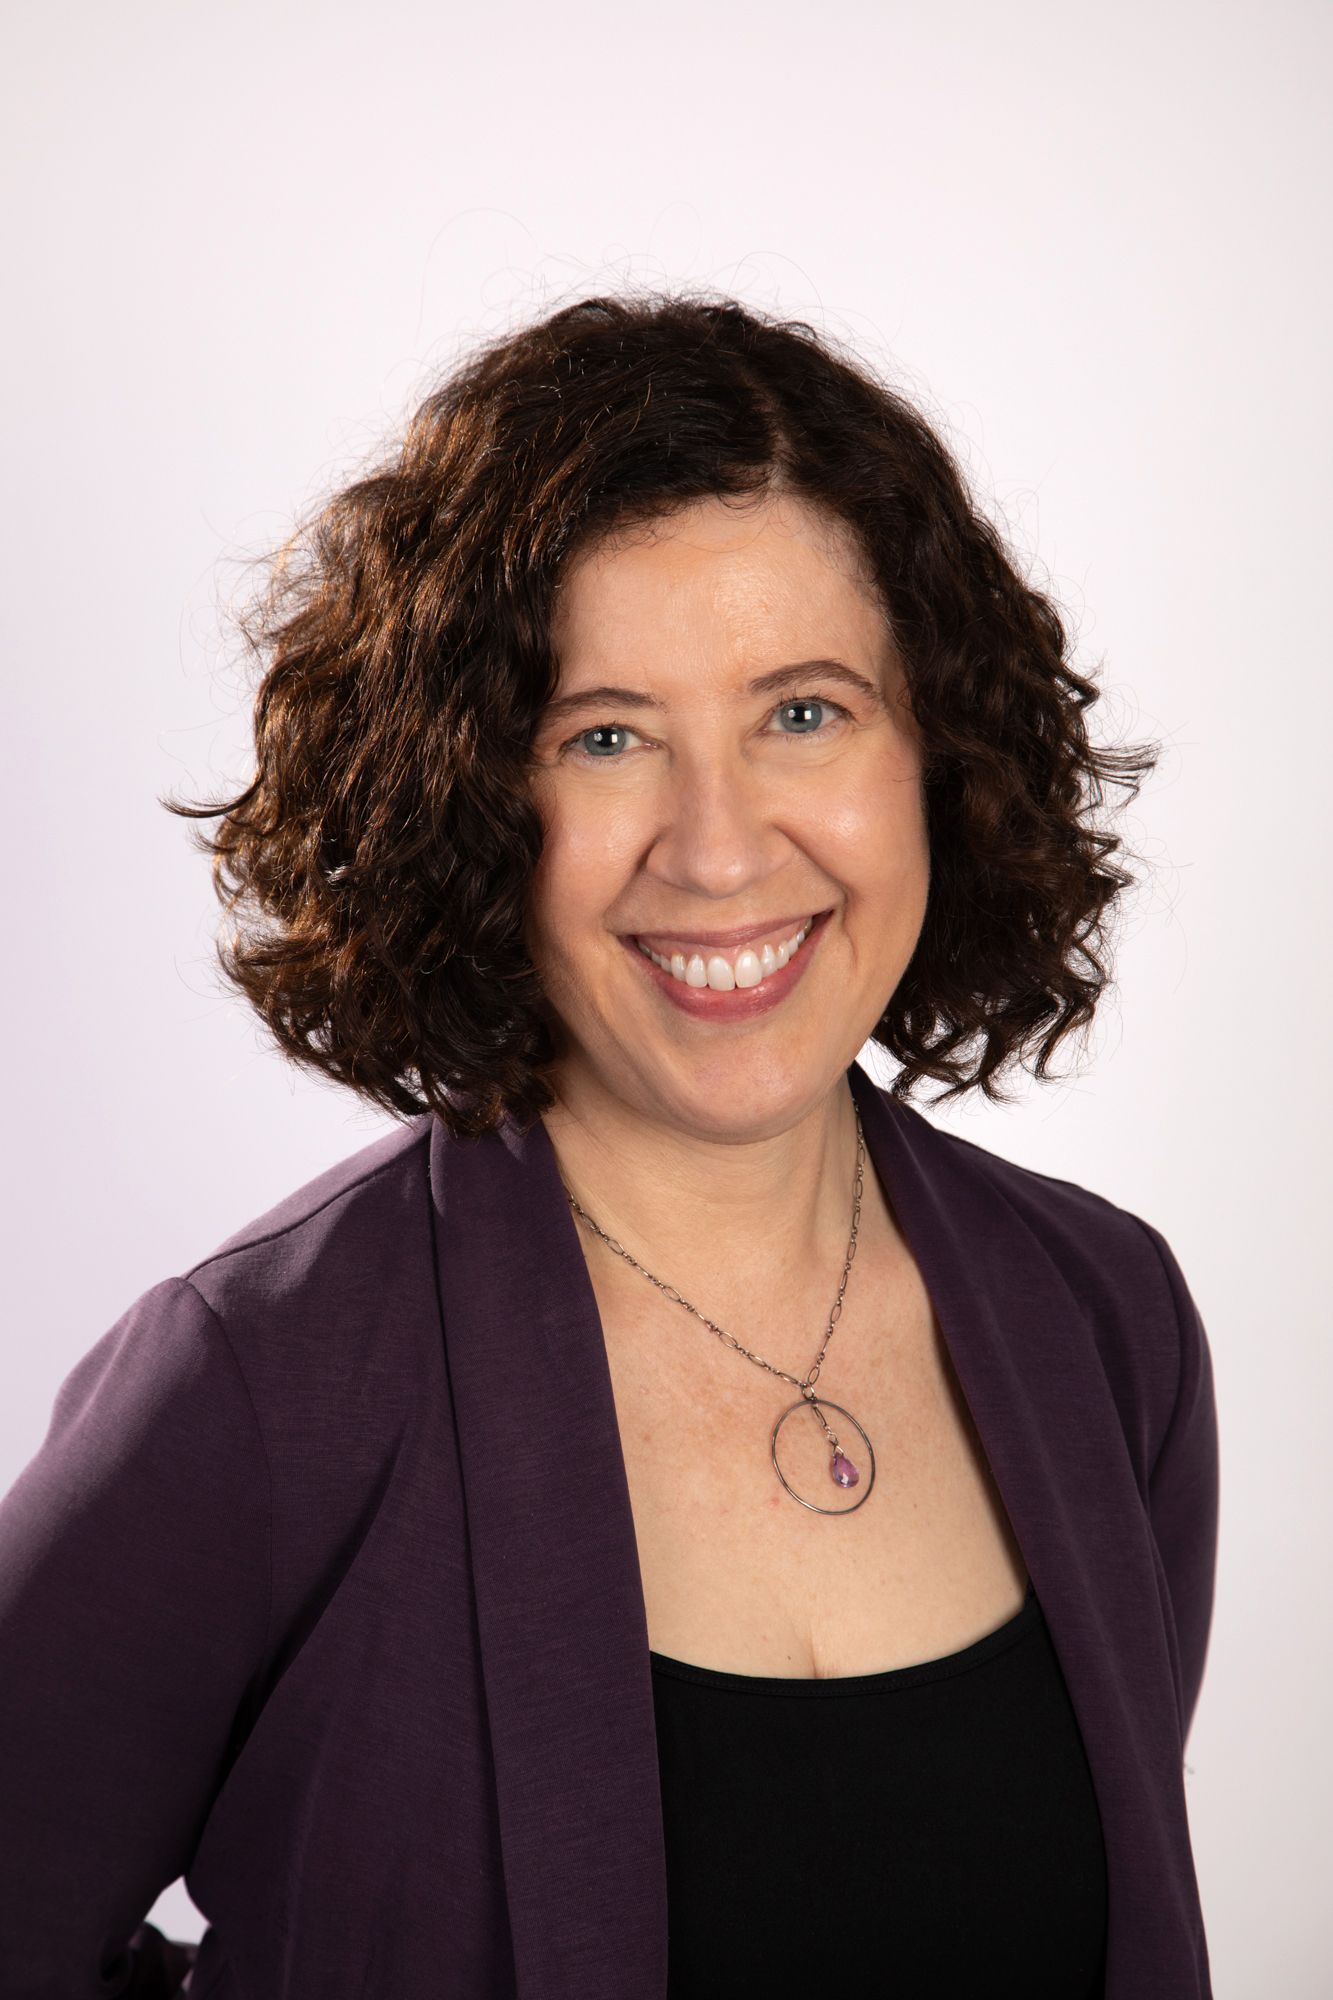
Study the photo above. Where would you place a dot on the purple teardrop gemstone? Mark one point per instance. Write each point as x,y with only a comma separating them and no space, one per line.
843,1471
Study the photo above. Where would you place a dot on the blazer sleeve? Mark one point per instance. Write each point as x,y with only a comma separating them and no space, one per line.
134,1609
1183,1488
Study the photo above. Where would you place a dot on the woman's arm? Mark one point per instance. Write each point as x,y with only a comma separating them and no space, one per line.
1183,1489
134,1610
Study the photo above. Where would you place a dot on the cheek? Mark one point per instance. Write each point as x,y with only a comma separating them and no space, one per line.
908,836
874,831
579,874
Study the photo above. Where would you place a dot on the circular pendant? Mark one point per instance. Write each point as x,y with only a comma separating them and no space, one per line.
840,1467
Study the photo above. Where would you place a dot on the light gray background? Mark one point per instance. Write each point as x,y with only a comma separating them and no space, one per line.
1092,242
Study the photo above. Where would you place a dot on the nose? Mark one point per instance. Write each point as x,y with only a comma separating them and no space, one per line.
718,833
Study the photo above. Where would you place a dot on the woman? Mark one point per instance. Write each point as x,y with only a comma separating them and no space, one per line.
666,1519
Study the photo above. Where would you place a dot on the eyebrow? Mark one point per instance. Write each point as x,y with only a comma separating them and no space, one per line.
776,678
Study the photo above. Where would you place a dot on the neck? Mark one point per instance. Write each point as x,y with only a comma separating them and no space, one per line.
763,1217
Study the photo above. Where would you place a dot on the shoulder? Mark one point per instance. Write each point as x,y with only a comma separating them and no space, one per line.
326,1297
1082,1230
360,1207
1116,1271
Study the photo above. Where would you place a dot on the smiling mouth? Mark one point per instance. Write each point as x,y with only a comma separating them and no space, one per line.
741,966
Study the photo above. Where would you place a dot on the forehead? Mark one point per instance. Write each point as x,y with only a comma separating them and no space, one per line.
741,571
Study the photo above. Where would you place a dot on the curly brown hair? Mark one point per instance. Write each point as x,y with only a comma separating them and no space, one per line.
378,865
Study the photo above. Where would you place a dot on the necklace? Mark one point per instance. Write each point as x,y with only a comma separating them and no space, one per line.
841,1469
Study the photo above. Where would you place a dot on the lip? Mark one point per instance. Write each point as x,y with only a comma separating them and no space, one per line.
742,1003
667,941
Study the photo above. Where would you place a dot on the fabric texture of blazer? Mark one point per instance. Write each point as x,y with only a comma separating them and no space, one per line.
323,1589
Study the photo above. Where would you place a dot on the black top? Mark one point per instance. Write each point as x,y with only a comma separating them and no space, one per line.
929,1831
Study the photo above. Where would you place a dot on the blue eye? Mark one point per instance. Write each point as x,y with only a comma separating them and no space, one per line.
608,753
812,702
599,729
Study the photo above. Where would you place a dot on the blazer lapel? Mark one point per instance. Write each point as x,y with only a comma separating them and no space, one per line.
1022,1345
560,1606
560,1610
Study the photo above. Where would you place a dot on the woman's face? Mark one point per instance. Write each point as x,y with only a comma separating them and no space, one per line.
729,749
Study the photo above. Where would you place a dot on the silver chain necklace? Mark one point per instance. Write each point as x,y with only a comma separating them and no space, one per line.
841,1469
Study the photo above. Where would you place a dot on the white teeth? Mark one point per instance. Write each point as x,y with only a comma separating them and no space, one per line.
722,974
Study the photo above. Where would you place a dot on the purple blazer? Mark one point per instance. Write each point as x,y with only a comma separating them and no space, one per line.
323,1591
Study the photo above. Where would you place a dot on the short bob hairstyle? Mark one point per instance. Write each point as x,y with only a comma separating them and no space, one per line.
378,865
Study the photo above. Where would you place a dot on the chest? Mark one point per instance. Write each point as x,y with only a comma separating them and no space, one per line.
739,1575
